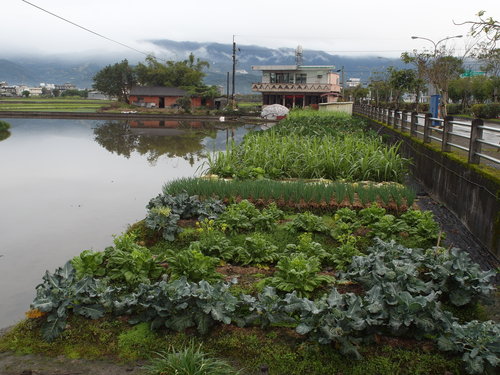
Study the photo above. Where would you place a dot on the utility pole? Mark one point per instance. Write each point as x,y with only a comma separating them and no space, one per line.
342,86
234,73
227,88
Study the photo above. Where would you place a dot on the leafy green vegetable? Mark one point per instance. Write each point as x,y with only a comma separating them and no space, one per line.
478,341
193,265
256,250
244,216
61,292
131,267
166,210
341,256
307,246
88,263
298,273
307,222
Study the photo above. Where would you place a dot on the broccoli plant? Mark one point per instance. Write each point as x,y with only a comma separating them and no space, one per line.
166,210
478,341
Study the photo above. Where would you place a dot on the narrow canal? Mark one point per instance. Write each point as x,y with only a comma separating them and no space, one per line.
70,185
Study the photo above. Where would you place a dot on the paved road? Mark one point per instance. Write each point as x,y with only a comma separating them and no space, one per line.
488,135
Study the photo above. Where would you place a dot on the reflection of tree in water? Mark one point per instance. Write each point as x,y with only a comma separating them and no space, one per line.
117,137
4,134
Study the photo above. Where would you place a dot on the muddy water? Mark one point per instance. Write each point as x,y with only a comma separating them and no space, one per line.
69,185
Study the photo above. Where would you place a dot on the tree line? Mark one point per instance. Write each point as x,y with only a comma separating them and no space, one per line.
442,70
118,79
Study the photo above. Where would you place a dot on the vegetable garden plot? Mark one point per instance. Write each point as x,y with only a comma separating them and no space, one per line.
403,289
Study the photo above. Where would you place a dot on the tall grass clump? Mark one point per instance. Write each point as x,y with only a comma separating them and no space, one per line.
188,361
318,123
351,157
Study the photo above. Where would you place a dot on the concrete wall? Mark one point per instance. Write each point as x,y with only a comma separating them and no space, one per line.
337,107
471,195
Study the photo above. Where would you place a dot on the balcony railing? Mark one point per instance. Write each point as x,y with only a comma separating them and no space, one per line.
296,87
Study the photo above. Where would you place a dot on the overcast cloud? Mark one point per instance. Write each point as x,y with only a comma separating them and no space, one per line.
381,28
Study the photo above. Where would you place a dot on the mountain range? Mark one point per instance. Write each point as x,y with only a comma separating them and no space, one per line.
79,70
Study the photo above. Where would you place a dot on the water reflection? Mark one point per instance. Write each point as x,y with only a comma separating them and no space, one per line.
69,185
155,138
4,134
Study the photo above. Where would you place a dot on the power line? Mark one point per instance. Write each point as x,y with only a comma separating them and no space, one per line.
90,31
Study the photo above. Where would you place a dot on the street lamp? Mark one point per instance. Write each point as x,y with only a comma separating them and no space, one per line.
439,41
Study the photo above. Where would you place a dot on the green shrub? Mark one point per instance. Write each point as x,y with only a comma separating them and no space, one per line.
486,111
454,109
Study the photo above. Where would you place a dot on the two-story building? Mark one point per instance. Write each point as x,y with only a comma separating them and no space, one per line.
297,85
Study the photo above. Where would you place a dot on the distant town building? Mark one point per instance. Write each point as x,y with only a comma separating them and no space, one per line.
297,85
7,90
48,86
353,82
64,87
34,91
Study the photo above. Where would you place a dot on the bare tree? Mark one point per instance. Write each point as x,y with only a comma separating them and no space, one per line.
438,67
486,29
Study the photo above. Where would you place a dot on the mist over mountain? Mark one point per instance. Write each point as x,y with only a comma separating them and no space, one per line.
79,69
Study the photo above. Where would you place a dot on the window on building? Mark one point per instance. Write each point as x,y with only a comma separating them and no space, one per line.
281,78
300,78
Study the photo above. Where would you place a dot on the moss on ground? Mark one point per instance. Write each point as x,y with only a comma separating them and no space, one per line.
280,349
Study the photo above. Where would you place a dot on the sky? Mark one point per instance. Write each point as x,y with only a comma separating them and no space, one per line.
351,28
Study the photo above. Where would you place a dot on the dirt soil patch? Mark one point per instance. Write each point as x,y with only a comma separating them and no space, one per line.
32,364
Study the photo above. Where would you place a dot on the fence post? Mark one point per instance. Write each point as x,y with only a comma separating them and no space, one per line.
413,124
404,120
427,127
474,146
447,129
397,115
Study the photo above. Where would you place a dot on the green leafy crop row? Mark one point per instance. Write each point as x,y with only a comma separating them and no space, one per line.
401,298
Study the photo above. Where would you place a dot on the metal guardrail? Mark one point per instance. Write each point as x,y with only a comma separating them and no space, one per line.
469,137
